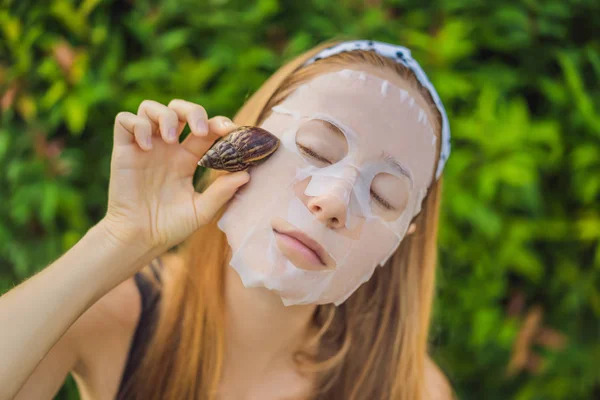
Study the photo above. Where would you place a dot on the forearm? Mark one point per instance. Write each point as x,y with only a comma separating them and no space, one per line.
35,314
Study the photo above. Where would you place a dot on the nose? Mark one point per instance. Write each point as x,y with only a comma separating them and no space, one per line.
329,210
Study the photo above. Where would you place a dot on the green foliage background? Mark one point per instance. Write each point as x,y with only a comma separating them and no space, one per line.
520,228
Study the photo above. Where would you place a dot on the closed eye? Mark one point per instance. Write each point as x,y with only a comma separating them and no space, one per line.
381,201
311,153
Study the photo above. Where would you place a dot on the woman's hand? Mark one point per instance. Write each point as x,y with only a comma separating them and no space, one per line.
152,201
152,206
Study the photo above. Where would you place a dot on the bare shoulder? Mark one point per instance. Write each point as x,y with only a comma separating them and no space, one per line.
119,307
106,328
110,323
438,386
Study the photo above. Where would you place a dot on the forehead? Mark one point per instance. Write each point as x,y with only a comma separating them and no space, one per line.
381,116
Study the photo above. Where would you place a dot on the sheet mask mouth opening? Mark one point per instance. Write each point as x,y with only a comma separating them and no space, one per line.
308,253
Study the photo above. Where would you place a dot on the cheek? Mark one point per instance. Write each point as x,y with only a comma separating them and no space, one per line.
268,181
375,243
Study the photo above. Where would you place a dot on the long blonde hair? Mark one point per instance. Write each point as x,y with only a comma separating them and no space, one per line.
373,346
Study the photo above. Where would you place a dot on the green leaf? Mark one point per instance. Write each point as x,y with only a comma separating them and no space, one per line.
75,114
49,200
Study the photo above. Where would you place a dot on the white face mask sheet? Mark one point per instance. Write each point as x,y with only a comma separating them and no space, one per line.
387,132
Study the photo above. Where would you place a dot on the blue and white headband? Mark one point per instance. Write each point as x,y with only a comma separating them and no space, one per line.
401,55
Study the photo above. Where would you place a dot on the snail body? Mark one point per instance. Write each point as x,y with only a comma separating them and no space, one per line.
240,149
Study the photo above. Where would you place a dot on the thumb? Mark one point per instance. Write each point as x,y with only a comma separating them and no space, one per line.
217,194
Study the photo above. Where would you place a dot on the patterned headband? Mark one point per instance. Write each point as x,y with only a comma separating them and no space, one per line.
400,55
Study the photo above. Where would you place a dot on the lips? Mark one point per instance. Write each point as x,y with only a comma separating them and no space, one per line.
308,242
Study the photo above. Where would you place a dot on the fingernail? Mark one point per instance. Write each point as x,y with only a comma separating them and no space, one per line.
172,133
202,126
226,123
149,142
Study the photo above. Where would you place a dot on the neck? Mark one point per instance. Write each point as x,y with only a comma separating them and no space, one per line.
262,333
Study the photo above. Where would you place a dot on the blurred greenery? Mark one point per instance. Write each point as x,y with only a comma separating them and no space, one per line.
518,306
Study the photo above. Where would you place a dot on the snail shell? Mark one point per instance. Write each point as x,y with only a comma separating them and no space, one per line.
240,149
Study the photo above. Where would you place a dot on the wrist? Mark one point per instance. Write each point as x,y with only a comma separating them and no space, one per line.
122,239
100,261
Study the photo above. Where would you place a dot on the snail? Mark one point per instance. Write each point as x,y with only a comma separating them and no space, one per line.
240,149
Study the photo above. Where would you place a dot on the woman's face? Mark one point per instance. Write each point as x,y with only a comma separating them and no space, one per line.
357,154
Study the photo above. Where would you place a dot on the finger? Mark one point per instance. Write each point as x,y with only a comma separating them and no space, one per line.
208,203
130,127
194,114
217,127
165,118
220,126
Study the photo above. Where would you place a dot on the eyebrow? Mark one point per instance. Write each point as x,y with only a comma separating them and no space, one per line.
397,166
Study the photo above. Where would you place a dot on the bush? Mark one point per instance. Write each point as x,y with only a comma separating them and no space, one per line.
518,295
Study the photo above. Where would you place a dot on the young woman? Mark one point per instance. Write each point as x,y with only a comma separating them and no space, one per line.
279,295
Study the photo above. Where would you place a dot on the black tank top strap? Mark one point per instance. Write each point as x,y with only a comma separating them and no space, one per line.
150,299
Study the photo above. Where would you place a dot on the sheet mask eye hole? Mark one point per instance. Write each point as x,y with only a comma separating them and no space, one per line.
321,143
389,195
